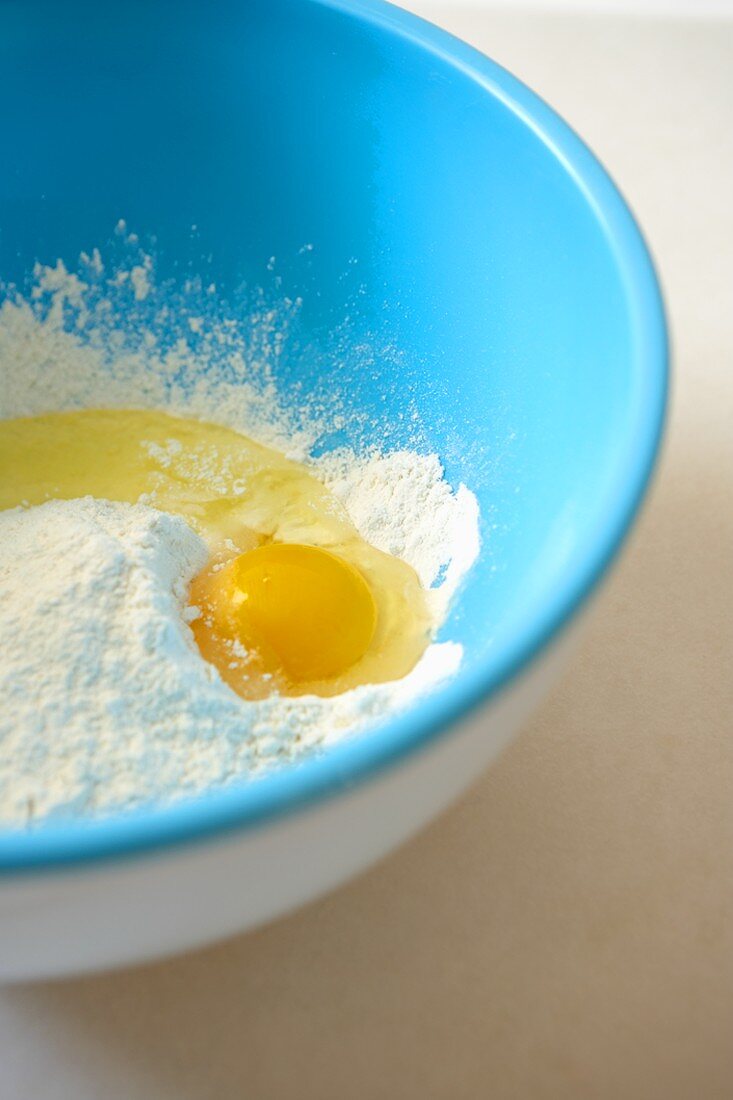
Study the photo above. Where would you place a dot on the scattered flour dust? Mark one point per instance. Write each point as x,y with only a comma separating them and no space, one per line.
107,704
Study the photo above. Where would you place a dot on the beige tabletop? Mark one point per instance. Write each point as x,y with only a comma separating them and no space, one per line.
565,933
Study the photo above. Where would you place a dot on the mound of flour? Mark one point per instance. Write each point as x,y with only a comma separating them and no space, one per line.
107,703
106,700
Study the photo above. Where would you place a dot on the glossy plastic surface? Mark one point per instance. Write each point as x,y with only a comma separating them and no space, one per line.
427,208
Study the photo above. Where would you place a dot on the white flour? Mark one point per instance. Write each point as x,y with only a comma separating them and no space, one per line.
107,703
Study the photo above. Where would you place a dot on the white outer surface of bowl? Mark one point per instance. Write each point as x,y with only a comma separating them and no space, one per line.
106,915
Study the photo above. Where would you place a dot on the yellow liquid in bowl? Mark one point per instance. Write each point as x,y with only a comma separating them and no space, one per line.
293,599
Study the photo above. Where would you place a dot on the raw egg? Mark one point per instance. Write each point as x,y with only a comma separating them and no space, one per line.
293,600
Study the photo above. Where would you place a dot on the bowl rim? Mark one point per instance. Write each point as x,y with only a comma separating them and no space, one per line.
251,805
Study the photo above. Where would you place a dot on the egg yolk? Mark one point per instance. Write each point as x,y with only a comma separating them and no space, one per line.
285,609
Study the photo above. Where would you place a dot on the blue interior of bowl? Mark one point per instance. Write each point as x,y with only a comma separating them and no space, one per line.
432,213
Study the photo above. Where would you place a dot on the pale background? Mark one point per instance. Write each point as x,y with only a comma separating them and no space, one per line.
565,932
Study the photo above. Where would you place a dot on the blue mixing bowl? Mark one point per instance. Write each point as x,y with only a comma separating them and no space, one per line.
424,205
